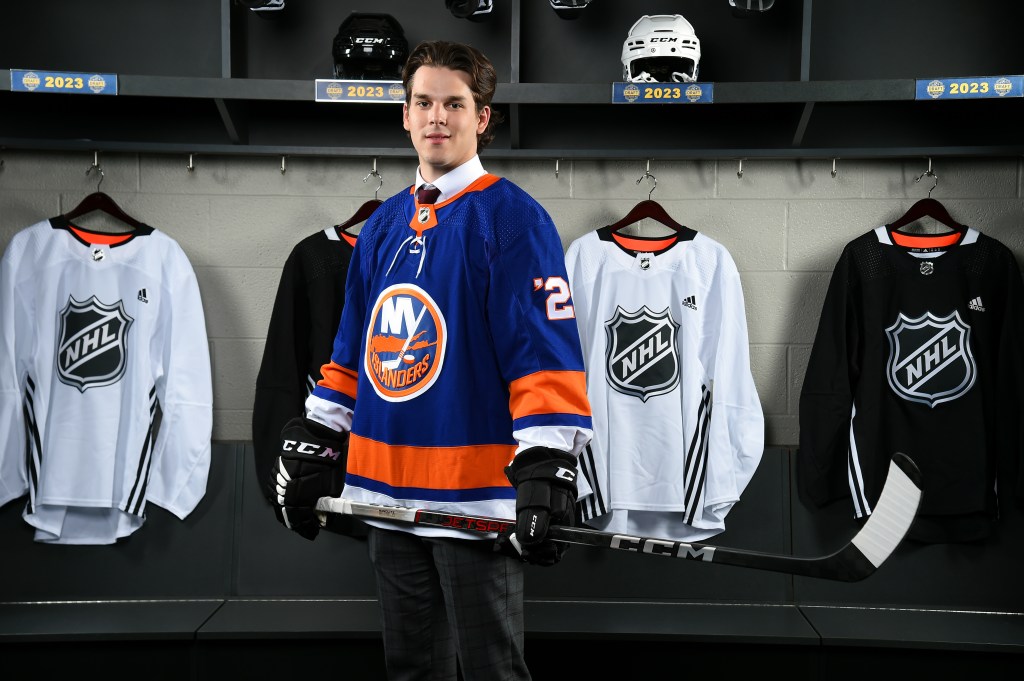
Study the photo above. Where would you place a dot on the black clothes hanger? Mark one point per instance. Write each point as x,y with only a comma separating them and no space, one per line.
931,208
648,208
928,207
364,211
360,216
100,201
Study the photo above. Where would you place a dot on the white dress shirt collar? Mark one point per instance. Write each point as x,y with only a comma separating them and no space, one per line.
454,181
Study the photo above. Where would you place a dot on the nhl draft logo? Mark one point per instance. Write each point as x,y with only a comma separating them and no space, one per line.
92,343
641,352
930,358
405,343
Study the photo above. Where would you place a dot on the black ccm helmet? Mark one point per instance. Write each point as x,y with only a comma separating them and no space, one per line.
474,10
569,9
369,46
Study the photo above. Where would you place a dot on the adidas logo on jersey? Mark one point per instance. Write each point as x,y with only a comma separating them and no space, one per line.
142,295
690,302
976,305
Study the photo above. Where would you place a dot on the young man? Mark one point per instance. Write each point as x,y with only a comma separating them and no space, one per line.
458,337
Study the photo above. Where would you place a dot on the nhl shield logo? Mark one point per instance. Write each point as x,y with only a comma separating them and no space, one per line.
92,343
930,358
423,215
641,352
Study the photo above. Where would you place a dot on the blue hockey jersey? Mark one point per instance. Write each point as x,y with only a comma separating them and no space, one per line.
459,339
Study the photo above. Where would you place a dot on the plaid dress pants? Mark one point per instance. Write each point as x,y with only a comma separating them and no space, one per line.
448,602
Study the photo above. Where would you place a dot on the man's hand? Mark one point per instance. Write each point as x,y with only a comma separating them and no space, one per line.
311,465
545,482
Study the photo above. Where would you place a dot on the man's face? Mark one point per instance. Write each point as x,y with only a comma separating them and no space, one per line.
442,120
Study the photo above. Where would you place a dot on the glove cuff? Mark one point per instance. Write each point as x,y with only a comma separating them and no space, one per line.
543,463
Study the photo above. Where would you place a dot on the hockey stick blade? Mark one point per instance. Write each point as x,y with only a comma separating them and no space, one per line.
870,547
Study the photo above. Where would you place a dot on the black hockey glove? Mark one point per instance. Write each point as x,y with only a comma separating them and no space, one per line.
311,465
545,482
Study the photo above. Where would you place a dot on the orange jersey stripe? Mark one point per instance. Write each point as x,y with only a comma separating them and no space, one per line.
482,182
453,468
549,392
422,222
338,378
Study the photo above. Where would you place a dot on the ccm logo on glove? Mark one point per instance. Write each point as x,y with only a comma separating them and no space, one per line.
545,482
310,449
566,474
311,465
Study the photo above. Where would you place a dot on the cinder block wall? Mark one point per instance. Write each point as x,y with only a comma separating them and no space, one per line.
784,221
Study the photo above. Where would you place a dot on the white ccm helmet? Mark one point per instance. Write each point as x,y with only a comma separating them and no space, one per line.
661,48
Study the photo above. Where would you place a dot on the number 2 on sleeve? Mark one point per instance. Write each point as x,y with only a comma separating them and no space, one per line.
556,307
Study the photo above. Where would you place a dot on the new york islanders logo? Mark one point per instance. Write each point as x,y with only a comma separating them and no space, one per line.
405,343
92,343
930,358
641,352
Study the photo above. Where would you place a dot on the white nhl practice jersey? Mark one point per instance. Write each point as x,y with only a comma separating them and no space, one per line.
678,427
98,332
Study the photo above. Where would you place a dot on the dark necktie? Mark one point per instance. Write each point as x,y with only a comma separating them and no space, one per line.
427,193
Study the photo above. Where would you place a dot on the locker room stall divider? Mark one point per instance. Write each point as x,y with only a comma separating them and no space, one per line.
229,591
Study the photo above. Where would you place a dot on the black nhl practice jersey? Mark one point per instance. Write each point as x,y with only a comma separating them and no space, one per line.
919,350
300,338
678,427
98,333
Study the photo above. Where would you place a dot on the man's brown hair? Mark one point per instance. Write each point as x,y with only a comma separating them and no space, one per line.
458,57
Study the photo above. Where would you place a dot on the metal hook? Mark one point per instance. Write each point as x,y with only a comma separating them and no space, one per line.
932,174
191,166
96,166
647,173
380,180
556,168
739,171
283,166
834,171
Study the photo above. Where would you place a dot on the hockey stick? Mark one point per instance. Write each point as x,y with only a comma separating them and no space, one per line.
870,547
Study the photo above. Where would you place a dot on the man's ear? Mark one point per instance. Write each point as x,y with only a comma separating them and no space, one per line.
405,116
483,118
